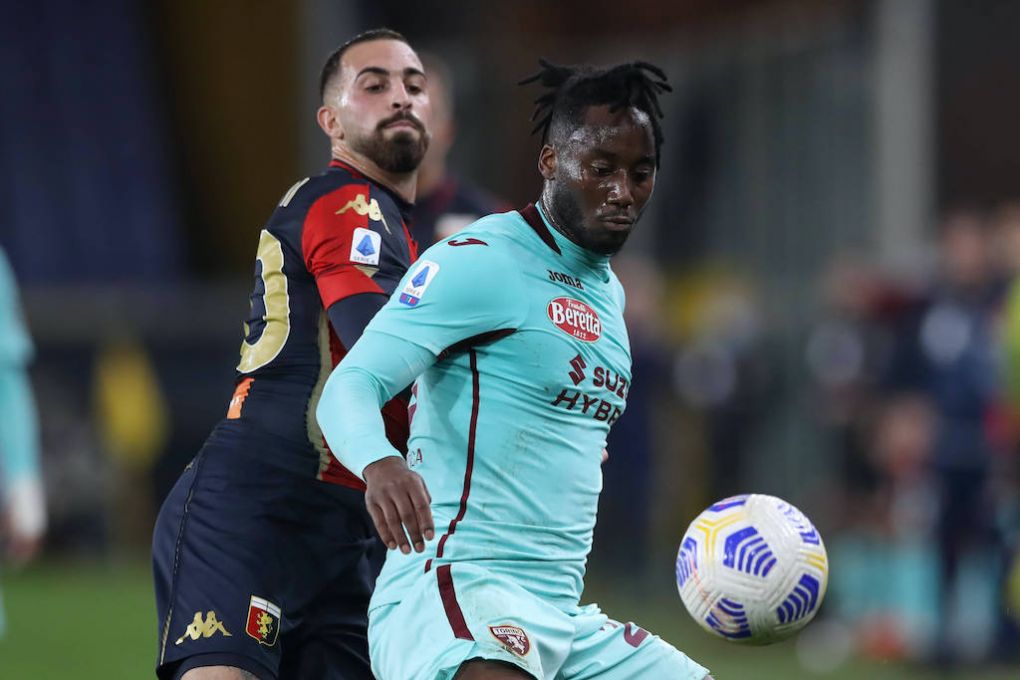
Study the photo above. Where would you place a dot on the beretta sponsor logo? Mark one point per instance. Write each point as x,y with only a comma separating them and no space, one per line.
575,318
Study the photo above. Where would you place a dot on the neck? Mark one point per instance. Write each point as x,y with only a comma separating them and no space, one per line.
403,184
545,200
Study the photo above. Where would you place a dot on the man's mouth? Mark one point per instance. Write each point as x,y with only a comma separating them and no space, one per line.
403,123
620,221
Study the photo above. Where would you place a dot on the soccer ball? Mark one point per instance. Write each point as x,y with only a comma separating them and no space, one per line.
752,569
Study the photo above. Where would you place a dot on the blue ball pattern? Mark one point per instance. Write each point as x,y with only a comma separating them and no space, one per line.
801,602
686,560
729,619
731,502
747,551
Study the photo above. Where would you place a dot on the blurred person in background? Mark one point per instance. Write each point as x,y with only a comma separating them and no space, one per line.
625,504
847,353
264,555
723,372
946,354
1006,250
22,503
881,494
446,203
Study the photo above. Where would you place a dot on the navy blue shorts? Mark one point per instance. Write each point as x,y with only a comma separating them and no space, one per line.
262,568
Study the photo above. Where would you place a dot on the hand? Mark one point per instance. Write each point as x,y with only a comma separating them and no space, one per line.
397,499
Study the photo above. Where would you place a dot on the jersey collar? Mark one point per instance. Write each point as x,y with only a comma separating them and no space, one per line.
561,245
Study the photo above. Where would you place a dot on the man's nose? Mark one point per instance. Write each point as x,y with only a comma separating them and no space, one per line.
620,190
401,98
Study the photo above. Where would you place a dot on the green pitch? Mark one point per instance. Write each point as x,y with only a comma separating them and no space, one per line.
87,621
81,621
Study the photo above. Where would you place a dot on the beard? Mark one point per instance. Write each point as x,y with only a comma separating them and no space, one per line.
568,217
400,154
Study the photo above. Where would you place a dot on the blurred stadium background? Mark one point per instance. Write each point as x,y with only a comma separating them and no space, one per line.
821,295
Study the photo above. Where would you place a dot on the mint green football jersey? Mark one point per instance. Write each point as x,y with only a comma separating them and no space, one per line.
529,368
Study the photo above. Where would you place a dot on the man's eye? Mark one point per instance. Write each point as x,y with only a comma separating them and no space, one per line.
374,87
415,89
642,175
601,170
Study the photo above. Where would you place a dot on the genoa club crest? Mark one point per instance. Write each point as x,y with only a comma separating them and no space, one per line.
514,639
263,621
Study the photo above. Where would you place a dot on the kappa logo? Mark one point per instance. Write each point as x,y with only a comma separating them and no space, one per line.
263,621
361,205
514,639
575,318
365,246
198,628
420,281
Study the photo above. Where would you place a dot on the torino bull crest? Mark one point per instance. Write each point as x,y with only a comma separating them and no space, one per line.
752,569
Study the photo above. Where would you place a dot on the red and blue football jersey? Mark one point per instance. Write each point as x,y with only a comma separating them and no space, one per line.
331,236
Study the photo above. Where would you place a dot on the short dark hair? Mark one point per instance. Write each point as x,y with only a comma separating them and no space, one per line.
575,88
332,65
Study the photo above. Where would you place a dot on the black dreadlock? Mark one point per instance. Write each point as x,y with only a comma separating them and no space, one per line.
332,65
575,88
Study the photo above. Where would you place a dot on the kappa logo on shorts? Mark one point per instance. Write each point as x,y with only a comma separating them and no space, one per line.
365,246
263,621
514,639
199,629
575,318
420,280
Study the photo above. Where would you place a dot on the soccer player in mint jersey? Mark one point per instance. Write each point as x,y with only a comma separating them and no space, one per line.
512,331
264,555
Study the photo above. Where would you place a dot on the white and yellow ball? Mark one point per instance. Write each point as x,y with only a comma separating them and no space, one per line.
752,569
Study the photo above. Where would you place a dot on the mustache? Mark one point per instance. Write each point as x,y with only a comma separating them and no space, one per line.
405,115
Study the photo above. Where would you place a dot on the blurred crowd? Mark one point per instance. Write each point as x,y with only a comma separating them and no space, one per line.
905,399
915,388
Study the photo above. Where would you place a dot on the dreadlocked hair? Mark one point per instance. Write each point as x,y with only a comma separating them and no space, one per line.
575,88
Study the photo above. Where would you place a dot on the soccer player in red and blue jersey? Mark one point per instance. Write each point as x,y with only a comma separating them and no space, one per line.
264,556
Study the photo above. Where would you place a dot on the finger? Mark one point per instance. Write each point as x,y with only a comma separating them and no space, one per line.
422,501
379,519
605,455
409,517
393,515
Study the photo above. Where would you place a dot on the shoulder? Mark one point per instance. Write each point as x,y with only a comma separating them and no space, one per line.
616,289
479,267
488,244
340,209
499,231
334,186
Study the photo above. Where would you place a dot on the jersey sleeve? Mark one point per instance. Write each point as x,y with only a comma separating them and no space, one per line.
349,248
19,432
459,290
15,344
349,415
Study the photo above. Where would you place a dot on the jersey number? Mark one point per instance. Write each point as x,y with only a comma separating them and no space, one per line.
275,301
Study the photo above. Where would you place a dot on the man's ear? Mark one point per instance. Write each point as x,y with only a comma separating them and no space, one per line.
329,122
547,162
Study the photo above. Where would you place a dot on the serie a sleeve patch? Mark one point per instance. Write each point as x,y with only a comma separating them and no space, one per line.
424,273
